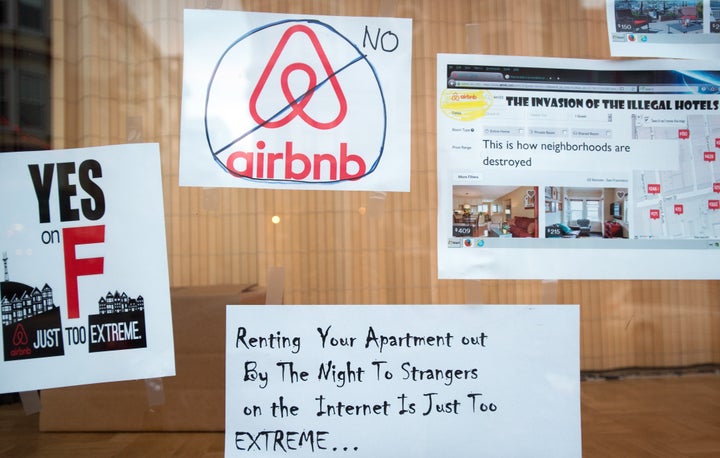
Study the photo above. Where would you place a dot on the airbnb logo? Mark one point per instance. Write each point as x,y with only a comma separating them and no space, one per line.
261,165
20,337
298,103
20,341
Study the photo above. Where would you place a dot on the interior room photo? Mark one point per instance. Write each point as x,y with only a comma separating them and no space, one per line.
495,211
572,212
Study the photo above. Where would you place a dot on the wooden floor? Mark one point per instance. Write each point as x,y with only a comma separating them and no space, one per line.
652,417
668,416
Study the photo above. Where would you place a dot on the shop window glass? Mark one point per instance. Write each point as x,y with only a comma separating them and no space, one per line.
3,99
30,15
3,13
33,101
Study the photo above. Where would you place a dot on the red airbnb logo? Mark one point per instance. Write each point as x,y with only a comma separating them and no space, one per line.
297,103
20,337
293,119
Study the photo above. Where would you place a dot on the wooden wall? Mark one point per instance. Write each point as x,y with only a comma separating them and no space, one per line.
117,78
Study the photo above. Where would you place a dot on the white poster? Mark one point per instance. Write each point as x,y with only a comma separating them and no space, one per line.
578,169
420,381
664,28
85,295
295,102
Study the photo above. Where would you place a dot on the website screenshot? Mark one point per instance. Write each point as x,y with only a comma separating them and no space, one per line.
667,28
571,158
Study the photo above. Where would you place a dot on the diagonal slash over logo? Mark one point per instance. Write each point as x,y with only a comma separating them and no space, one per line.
243,155
297,104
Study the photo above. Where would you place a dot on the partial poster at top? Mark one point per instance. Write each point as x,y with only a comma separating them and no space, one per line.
578,169
684,29
295,102
85,292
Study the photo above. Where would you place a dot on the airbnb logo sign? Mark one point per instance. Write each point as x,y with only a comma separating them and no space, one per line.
338,168
295,101
298,103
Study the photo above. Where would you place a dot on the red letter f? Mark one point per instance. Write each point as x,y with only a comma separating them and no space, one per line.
75,267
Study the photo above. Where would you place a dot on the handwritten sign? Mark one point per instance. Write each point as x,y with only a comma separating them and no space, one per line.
402,381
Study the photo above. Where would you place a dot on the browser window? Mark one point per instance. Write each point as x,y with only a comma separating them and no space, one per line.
577,157
668,28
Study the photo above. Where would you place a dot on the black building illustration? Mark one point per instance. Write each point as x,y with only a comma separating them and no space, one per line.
19,301
31,322
120,303
118,310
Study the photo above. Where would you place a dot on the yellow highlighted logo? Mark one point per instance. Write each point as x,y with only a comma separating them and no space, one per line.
465,104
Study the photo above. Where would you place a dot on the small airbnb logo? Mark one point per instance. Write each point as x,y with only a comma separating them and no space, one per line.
20,344
20,337
297,103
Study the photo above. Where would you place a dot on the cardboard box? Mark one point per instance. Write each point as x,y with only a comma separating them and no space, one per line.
194,399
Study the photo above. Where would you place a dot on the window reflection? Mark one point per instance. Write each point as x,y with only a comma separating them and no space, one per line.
24,75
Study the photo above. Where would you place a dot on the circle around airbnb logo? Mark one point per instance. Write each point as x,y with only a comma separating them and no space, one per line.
295,101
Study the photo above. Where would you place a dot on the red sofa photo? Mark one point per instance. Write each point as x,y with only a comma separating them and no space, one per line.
523,226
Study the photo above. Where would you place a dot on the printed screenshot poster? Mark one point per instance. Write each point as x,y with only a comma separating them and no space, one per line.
664,28
85,293
295,102
578,169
